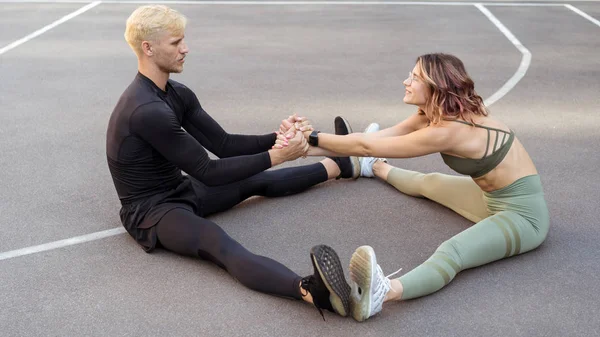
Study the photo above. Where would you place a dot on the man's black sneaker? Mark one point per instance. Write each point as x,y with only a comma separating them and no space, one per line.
327,286
349,166
342,127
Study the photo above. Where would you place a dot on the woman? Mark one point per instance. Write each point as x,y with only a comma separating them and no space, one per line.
503,195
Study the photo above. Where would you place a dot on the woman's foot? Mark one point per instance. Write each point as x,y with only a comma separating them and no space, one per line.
369,285
327,286
366,163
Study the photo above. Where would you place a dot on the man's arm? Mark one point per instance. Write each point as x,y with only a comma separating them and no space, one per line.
158,125
215,139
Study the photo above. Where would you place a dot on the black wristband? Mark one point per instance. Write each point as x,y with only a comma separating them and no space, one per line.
313,139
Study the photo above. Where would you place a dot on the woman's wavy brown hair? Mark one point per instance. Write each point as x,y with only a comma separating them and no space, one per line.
453,93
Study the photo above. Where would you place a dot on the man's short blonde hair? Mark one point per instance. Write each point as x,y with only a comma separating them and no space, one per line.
147,22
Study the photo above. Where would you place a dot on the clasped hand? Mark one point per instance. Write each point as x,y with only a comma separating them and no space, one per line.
292,136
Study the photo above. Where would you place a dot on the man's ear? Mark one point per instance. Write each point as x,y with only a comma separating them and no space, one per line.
147,48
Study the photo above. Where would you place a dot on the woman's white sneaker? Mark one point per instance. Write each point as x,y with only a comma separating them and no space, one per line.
373,127
369,285
366,163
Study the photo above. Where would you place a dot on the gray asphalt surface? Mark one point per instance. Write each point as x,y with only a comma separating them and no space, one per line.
251,66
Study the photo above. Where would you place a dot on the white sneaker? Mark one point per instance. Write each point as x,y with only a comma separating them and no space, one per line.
373,127
366,163
369,285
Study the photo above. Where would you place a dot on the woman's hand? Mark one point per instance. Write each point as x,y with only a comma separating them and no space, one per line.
300,123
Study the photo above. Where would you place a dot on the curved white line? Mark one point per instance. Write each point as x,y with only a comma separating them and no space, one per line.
525,60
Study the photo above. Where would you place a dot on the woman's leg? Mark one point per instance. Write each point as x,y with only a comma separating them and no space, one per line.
499,236
460,194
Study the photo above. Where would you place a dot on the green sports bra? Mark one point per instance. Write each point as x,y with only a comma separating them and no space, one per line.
479,167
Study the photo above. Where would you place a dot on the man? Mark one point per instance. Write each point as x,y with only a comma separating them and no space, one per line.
158,129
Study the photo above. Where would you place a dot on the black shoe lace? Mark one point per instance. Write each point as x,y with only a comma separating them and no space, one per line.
310,284
341,166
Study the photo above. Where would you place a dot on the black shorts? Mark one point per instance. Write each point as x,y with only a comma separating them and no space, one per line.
139,218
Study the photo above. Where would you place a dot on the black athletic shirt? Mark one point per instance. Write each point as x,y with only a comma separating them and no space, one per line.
153,135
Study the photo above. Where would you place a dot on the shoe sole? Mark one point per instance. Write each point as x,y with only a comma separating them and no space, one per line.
361,266
348,129
330,268
355,167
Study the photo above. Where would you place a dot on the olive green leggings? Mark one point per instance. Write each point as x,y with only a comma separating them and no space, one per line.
509,221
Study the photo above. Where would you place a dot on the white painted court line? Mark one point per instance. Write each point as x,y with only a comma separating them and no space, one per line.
48,27
284,3
584,14
525,60
62,243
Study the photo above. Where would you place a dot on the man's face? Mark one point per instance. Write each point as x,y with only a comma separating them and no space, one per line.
169,51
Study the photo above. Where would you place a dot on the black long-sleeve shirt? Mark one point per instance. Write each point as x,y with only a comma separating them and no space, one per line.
154,134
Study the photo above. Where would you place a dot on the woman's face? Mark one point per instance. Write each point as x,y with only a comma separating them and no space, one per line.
416,90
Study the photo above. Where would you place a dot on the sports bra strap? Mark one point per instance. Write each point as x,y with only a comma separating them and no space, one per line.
477,125
496,141
487,145
459,121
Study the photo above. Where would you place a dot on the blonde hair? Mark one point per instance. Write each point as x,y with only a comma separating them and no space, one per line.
453,92
147,22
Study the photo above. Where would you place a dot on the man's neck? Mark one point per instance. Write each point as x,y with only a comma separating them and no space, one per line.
157,76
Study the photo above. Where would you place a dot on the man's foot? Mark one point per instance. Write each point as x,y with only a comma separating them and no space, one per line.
369,285
327,286
366,163
342,127
349,166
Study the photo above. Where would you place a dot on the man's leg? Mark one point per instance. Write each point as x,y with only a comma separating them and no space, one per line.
281,182
185,233
272,183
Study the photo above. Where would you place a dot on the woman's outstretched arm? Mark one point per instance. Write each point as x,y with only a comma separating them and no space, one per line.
422,142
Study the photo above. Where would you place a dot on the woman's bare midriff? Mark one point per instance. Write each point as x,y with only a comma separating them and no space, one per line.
517,164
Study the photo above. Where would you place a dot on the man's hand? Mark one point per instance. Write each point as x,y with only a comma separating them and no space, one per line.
288,147
283,139
296,147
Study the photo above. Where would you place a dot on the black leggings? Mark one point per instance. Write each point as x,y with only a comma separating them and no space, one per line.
186,233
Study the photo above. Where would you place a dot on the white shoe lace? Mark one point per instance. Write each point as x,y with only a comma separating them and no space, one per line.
366,165
379,291
394,273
